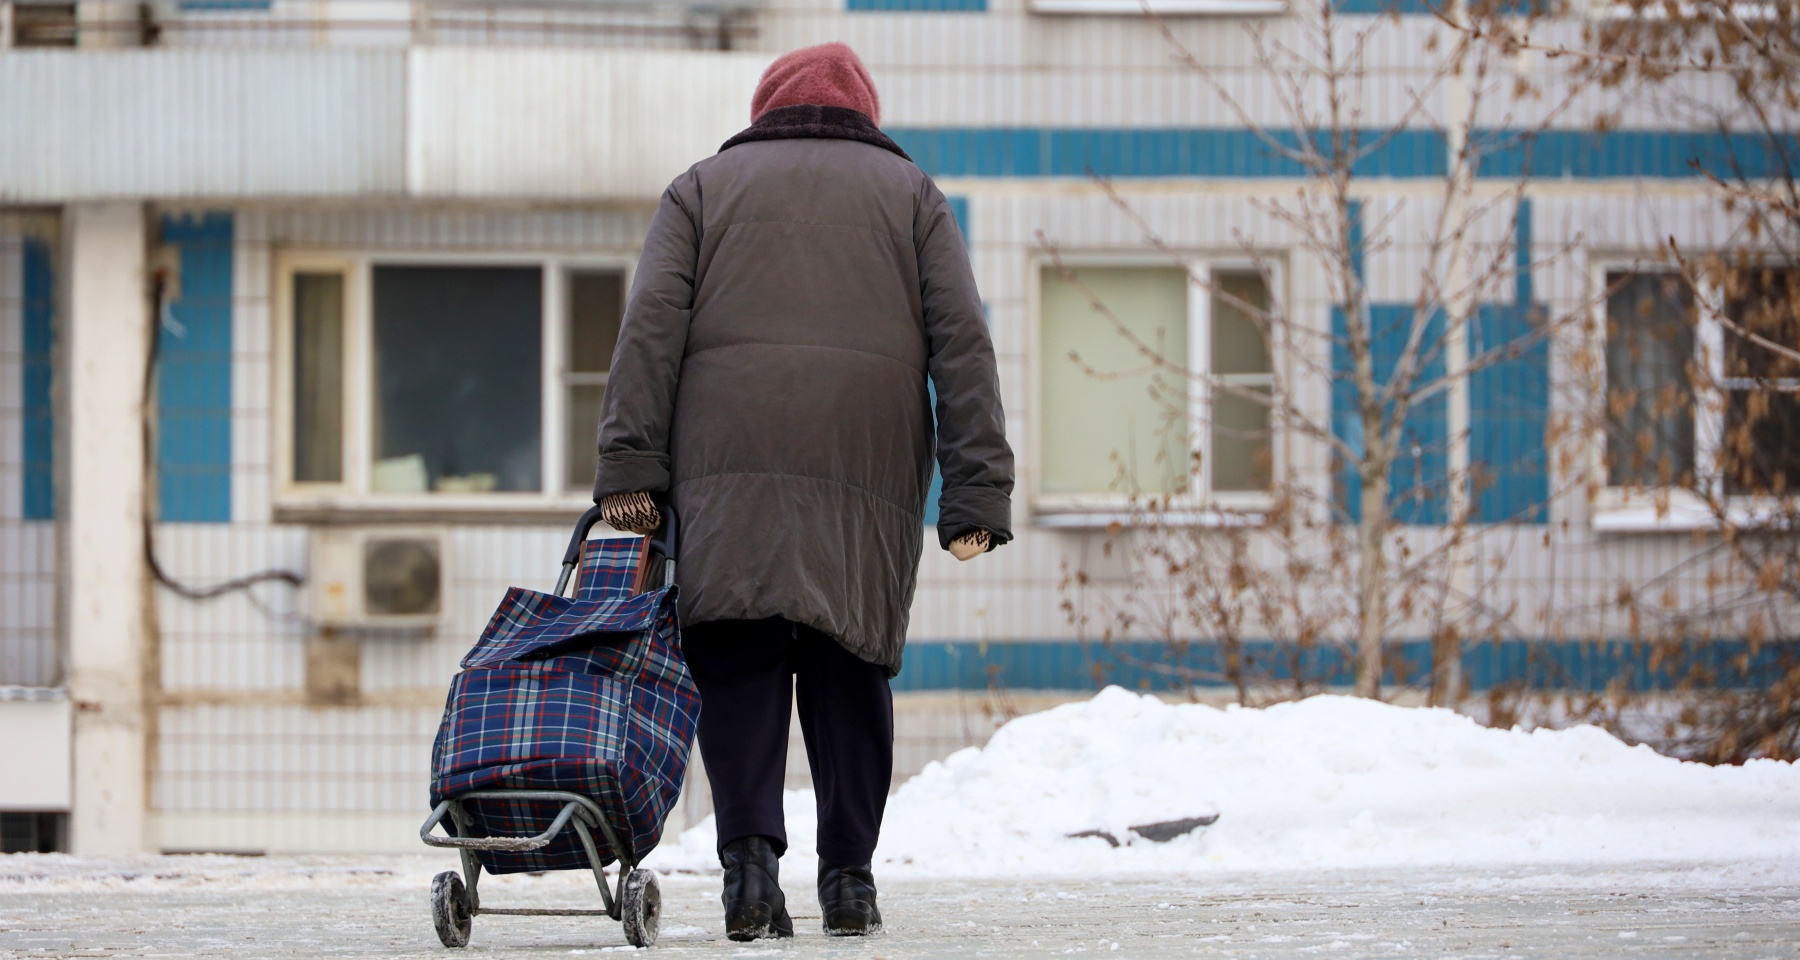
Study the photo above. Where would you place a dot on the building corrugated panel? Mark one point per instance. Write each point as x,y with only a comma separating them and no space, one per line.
568,123
200,123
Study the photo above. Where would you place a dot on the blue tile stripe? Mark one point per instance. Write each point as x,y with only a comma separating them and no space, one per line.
1419,482
193,442
37,347
1652,154
1509,402
1149,152
1239,153
1536,664
1509,407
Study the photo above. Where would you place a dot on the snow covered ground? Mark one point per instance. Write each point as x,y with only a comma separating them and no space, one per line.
282,908
1345,827
1329,782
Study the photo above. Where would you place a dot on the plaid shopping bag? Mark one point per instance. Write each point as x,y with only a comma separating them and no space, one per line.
587,694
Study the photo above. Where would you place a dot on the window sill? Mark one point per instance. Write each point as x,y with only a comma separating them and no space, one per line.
1687,514
1164,8
445,508
1107,519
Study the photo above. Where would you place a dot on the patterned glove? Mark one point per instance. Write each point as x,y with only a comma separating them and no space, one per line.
635,512
971,544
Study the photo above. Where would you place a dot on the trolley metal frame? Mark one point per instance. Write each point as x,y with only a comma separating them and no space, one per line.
578,811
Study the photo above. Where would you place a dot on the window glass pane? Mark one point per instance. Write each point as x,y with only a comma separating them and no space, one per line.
1762,455
1240,443
457,381
582,450
318,378
596,307
1241,451
1237,342
1764,302
1111,420
1762,386
1650,405
596,304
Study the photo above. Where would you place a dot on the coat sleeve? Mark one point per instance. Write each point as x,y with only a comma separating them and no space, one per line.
972,452
636,414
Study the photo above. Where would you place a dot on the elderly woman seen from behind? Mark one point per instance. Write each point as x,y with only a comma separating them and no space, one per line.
798,295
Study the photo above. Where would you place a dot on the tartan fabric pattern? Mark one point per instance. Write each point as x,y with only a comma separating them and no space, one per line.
529,625
610,568
588,695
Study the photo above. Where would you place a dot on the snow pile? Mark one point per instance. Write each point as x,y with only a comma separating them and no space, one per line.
1323,783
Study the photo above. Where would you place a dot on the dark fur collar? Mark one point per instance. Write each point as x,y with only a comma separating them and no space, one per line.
808,121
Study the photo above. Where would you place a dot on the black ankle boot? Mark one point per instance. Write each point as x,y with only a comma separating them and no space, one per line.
754,906
847,899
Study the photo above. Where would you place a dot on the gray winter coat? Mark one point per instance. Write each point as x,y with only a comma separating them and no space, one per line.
795,294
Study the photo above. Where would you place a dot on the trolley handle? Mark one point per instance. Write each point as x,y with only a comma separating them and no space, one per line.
663,543
572,555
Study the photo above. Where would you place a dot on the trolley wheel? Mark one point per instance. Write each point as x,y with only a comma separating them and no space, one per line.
641,907
450,909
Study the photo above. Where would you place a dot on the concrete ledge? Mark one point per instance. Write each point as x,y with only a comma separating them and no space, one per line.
494,123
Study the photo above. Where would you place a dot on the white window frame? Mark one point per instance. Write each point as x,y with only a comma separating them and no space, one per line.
352,496
1200,506
1749,11
1658,509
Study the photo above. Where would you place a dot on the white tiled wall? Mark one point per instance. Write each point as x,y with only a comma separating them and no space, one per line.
28,643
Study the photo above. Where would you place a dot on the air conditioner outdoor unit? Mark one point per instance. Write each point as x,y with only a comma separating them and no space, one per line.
381,578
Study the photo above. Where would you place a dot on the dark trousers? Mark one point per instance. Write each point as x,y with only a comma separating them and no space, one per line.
748,672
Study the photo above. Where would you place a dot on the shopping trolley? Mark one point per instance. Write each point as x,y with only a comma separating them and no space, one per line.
572,716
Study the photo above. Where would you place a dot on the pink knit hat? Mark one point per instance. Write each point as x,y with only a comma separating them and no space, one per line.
828,75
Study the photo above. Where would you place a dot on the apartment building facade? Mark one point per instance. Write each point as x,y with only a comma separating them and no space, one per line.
251,254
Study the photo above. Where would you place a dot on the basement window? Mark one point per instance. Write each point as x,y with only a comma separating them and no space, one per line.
43,24
33,832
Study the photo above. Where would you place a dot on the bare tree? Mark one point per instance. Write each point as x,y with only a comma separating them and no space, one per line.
1714,443
1313,559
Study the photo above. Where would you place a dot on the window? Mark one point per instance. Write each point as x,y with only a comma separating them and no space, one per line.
456,396
1760,382
596,306
1241,454
1120,413
1703,392
1650,401
318,352
443,380
42,24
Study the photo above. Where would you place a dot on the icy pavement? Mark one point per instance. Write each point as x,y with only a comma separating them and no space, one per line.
376,907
